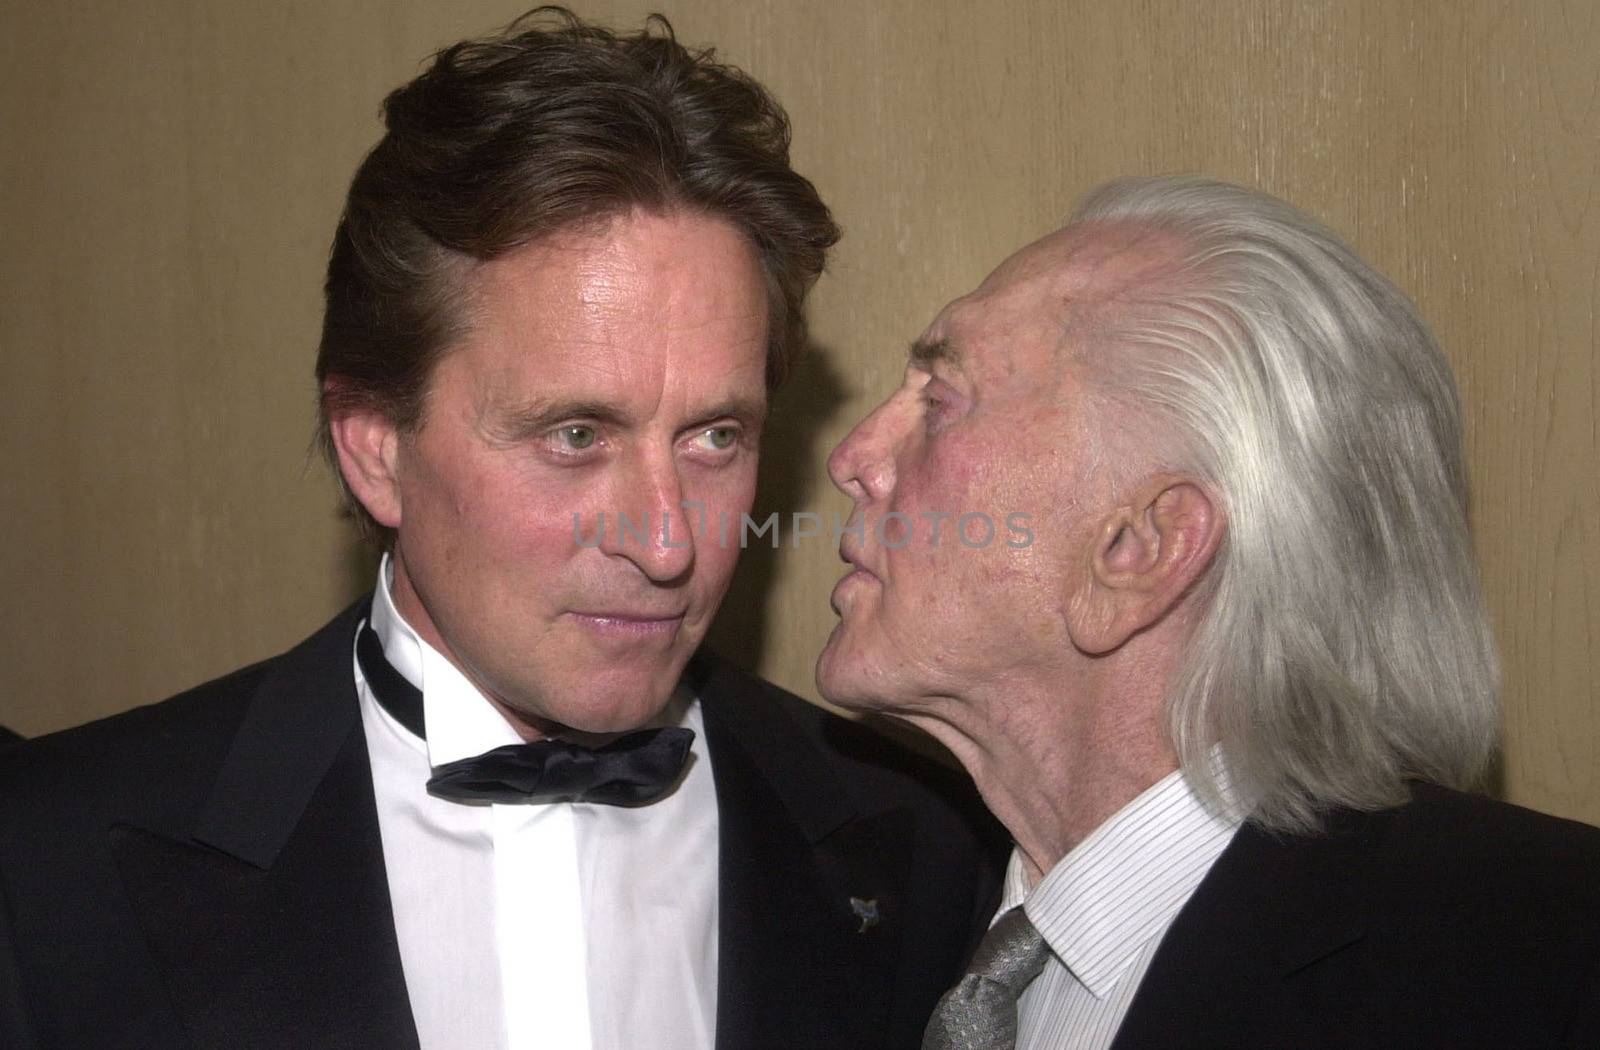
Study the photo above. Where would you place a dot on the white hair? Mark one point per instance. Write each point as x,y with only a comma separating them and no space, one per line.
1343,645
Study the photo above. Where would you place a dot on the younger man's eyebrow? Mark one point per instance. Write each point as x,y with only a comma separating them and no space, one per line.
751,411
519,422
511,423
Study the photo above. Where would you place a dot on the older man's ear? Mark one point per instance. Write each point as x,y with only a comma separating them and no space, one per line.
1148,553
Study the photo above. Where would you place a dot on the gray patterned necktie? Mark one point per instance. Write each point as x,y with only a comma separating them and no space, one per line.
980,1012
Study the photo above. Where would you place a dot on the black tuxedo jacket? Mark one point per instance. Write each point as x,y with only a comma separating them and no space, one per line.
1450,923
207,872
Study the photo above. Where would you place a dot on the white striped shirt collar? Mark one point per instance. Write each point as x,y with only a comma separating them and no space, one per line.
1123,885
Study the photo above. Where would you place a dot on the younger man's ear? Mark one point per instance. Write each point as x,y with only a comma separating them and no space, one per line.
1150,551
368,445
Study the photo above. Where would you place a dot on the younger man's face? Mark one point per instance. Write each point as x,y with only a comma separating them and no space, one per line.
619,373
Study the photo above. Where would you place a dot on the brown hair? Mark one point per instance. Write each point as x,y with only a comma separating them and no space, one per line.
550,124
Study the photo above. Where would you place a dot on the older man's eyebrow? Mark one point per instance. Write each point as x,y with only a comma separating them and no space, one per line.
925,353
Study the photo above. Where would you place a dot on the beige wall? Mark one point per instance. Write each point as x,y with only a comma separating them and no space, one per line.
170,174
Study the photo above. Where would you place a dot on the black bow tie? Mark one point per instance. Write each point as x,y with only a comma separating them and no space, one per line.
630,771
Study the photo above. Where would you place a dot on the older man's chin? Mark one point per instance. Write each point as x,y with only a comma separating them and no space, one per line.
841,678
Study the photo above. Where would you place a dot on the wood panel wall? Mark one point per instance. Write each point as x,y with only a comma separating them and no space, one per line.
172,170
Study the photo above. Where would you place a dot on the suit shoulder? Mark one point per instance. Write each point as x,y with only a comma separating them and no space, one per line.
155,724
118,763
1486,831
160,747
1496,863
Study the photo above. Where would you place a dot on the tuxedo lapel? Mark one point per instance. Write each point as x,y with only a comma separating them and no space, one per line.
1258,941
270,911
810,883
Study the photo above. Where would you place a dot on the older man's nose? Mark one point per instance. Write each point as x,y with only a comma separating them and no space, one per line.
862,467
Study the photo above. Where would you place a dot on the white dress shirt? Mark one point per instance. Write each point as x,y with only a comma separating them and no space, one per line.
1104,909
562,926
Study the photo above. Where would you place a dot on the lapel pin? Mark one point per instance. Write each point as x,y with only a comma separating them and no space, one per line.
866,910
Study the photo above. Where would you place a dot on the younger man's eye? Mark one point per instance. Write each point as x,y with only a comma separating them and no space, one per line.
576,436
718,439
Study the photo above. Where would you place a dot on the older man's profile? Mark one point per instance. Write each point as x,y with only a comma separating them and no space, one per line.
502,801
1230,700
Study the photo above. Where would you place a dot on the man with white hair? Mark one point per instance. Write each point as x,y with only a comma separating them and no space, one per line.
1228,691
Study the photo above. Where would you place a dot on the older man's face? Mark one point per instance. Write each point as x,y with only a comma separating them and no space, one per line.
621,372
993,418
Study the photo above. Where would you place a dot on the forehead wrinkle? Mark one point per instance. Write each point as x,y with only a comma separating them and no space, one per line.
1111,263
594,385
1109,268
695,399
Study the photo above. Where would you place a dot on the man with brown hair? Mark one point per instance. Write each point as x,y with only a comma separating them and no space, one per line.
502,802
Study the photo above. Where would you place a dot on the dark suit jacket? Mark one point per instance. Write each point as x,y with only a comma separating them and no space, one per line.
1452,922
207,872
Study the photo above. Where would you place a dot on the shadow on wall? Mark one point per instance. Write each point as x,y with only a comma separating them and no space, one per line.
359,562
1494,780
790,455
